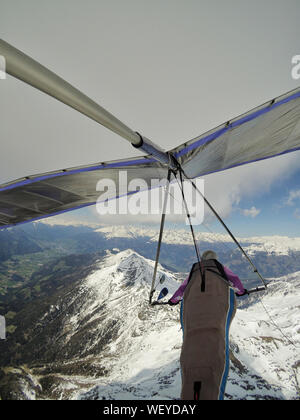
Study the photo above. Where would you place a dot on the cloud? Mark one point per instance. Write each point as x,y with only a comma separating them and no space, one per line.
293,195
225,190
253,212
297,214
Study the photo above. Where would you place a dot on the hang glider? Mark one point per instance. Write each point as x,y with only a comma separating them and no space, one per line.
267,131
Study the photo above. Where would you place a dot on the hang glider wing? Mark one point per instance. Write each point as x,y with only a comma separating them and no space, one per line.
267,131
40,196
270,130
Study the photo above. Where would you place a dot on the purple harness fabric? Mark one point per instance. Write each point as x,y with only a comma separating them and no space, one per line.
234,281
178,295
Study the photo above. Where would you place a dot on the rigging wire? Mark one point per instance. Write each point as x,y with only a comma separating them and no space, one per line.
162,224
192,229
188,216
276,325
255,270
248,258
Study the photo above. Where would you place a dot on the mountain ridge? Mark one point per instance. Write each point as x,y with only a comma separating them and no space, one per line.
98,338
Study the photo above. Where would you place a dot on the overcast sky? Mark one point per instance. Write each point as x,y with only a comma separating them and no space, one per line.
168,69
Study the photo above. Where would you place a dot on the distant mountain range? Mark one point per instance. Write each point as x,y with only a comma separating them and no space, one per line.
274,255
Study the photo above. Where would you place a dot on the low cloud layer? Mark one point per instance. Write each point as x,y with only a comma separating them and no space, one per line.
253,212
293,196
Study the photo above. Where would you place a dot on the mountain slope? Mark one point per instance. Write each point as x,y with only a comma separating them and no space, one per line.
98,338
264,365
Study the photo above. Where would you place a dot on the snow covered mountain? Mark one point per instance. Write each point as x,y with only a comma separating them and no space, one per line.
279,245
274,255
99,339
264,364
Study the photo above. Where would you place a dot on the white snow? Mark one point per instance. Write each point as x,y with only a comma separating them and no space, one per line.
278,245
143,360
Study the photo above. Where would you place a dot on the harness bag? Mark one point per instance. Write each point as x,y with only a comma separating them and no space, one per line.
206,314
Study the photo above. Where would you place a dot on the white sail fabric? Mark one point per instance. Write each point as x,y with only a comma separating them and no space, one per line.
48,194
267,131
